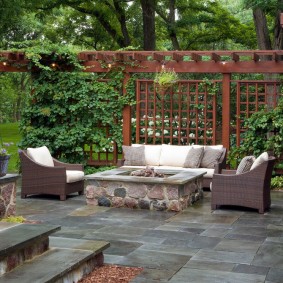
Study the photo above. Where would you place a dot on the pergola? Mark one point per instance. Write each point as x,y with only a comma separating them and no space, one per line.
224,63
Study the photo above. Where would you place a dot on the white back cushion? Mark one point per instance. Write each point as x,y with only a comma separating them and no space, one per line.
262,158
174,155
217,146
152,153
40,155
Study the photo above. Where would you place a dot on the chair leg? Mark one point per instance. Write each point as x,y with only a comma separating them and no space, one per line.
261,211
23,195
213,206
62,197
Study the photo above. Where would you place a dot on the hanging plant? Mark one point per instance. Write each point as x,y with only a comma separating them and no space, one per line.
165,79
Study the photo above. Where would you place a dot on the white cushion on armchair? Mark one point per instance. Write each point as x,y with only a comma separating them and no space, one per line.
41,155
74,176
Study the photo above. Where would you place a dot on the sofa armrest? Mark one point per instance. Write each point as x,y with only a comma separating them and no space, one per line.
68,166
120,162
34,171
228,172
218,167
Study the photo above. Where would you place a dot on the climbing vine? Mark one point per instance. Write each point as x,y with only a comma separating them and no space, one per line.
71,109
264,133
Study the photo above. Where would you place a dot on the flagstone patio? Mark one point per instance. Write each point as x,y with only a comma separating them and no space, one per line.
195,245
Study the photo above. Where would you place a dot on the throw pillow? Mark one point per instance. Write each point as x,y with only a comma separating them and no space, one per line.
262,158
134,156
151,152
210,157
173,155
194,157
245,164
40,155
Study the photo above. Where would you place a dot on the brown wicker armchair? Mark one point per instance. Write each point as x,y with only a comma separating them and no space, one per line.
250,189
52,180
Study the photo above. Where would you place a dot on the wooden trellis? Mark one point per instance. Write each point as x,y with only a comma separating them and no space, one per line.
194,105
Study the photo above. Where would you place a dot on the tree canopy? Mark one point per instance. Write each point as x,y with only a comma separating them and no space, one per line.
114,24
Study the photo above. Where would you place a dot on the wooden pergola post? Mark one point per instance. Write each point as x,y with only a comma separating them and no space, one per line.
226,97
127,121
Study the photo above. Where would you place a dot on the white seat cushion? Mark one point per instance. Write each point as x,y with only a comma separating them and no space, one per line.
174,155
41,155
74,176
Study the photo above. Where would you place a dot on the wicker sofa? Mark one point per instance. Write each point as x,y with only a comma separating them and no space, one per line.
249,189
177,157
43,174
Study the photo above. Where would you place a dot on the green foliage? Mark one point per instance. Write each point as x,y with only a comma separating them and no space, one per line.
264,133
91,170
70,109
48,56
277,182
14,219
166,77
10,133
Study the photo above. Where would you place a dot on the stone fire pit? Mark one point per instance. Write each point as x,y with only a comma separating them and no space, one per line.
175,191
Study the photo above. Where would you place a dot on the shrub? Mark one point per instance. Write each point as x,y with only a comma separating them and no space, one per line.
264,133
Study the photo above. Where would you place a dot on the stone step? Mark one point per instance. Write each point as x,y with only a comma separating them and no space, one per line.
40,258
22,242
96,247
55,265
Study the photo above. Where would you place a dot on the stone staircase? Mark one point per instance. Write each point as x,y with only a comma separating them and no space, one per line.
29,255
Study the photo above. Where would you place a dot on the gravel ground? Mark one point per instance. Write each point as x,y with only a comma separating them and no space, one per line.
111,274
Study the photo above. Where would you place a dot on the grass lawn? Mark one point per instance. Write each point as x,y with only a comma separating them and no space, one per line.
10,133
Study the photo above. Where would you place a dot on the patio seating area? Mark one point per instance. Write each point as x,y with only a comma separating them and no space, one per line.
195,245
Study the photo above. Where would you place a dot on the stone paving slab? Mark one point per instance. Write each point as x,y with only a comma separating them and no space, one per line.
237,246
230,257
187,275
197,245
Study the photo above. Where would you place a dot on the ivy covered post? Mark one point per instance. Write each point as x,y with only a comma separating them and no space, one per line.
226,97
77,115
126,114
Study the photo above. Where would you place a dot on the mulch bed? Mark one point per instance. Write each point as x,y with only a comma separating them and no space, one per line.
111,274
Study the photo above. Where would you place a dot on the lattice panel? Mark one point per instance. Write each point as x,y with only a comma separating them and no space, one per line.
184,114
253,96
108,156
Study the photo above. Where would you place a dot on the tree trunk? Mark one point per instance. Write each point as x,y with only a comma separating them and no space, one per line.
148,15
264,43
278,33
172,25
122,20
263,39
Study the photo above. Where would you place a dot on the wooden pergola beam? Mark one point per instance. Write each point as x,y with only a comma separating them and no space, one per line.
215,57
139,57
149,61
235,57
196,57
158,57
177,57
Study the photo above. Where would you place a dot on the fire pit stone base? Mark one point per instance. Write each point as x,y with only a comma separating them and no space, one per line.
164,195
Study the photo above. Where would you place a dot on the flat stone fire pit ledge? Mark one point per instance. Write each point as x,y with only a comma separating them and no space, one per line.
115,188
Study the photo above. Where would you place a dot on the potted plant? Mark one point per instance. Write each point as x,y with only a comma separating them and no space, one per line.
4,157
165,79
